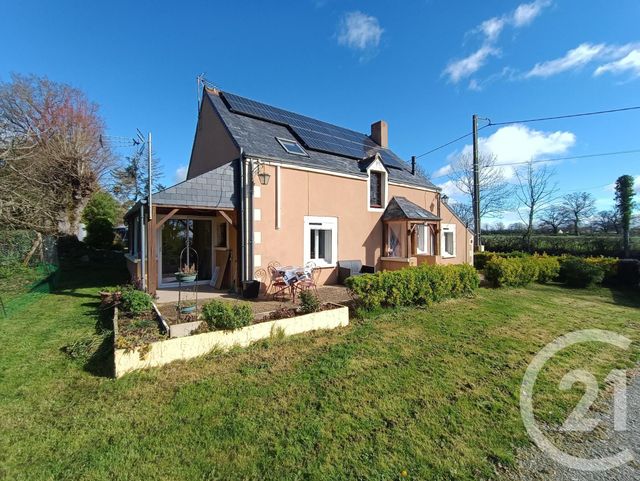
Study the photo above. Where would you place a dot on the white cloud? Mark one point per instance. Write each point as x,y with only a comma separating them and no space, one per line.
180,174
359,31
619,58
630,63
575,58
491,29
459,69
455,194
518,143
442,171
526,13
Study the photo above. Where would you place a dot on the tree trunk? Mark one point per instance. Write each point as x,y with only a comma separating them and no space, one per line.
627,244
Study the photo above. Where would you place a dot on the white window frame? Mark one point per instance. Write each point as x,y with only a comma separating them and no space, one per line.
378,166
447,228
283,143
326,223
429,240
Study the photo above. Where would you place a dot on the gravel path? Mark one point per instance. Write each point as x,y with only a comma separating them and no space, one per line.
603,441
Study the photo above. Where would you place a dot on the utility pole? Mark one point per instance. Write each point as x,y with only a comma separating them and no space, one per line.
476,186
150,175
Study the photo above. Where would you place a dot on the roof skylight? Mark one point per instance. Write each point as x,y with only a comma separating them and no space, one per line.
292,147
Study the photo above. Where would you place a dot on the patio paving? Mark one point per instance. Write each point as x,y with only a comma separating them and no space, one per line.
335,294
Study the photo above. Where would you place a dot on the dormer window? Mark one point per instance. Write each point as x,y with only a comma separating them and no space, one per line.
376,186
292,147
375,190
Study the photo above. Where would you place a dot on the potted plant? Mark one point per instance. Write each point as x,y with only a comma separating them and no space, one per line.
187,273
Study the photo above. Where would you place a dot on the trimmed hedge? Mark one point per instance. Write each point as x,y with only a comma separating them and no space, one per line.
511,272
520,270
578,272
582,245
421,285
224,315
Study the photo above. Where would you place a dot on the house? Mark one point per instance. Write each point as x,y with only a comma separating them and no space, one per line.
265,184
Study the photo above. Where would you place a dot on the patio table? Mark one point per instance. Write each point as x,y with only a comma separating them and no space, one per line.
293,274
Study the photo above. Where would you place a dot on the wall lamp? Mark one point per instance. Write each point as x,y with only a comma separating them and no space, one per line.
263,175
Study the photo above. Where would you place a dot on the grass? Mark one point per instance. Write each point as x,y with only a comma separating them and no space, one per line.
20,285
433,392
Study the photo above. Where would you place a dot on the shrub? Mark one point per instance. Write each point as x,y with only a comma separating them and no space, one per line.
309,302
628,273
511,272
134,301
100,234
421,285
224,315
100,215
480,259
577,272
583,245
609,266
548,268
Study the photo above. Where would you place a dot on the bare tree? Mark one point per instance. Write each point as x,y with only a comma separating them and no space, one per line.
534,191
554,217
463,211
51,157
607,220
578,206
495,191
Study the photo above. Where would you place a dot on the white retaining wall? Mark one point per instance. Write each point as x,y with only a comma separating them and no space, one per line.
164,352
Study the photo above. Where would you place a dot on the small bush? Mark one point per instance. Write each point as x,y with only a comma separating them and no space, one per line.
609,266
421,285
100,234
134,301
511,272
309,302
224,315
480,259
548,268
577,272
628,273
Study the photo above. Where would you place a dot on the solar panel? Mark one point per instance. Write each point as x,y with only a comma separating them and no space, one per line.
315,134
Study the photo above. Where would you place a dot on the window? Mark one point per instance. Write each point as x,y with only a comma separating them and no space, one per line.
222,235
448,240
375,190
321,240
292,146
376,186
394,236
425,239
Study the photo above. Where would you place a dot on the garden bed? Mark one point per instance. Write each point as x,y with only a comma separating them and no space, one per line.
164,351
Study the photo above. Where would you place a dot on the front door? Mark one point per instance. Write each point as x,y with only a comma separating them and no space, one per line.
176,235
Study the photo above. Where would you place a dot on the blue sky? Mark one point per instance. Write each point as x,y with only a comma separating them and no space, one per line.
423,66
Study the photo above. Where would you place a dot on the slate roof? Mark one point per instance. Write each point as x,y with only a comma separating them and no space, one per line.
213,189
399,208
257,138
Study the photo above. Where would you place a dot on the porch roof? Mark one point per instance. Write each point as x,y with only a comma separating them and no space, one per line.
400,208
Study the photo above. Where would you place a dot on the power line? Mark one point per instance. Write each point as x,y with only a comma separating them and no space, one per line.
558,159
525,121
568,116
450,142
574,157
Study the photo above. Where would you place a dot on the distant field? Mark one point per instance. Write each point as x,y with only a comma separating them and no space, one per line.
582,245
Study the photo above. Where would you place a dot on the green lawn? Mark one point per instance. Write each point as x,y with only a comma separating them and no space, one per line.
433,392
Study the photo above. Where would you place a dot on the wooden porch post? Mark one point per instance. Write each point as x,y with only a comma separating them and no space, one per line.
152,261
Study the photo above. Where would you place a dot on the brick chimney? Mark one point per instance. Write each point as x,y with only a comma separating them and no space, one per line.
380,133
